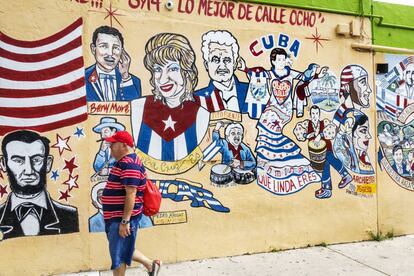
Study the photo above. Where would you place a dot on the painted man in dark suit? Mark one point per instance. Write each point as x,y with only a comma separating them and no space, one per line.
109,78
29,209
400,165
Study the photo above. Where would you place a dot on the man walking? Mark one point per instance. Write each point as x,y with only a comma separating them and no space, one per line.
122,202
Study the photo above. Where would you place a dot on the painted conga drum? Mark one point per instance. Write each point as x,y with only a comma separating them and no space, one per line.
243,176
317,155
221,174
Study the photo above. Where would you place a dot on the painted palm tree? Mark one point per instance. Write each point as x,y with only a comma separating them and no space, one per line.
328,81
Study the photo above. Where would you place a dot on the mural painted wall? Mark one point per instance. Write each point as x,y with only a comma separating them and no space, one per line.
395,134
244,121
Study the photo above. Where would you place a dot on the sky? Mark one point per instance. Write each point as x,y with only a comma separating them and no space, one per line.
401,2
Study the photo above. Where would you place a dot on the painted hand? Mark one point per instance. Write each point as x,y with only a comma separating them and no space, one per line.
105,145
317,140
323,71
219,125
235,163
124,64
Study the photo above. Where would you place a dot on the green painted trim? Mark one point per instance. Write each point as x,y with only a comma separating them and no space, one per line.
392,25
399,29
351,7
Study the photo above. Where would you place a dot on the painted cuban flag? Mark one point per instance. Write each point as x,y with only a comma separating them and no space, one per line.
211,150
182,190
164,133
42,84
258,92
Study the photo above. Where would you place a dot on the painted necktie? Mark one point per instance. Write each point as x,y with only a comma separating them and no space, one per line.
108,87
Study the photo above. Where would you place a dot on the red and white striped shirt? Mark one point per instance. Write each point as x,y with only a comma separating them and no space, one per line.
128,171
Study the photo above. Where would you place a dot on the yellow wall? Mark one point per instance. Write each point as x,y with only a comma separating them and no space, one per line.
394,193
258,220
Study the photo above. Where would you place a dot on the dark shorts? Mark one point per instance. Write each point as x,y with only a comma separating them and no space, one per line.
121,249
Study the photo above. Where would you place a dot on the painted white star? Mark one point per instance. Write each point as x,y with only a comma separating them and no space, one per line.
169,123
62,144
71,182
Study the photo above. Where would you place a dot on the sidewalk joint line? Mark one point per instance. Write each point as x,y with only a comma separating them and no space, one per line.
355,260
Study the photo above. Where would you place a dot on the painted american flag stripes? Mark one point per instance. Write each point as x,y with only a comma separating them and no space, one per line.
211,102
42,84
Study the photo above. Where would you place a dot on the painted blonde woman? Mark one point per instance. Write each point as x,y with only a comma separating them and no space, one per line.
169,125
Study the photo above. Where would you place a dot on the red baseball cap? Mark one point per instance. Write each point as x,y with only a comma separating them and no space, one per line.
121,136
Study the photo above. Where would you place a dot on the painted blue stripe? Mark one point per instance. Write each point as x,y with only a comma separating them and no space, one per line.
292,149
279,149
380,107
254,110
210,148
144,138
280,142
167,150
191,138
274,142
277,135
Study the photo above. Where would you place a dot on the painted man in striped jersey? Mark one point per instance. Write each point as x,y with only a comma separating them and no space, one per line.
355,90
109,78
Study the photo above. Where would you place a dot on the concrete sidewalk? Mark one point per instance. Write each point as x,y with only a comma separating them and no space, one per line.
389,257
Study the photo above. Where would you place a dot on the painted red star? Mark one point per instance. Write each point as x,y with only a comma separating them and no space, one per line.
3,190
70,165
64,195
62,144
317,39
71,182
112,14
